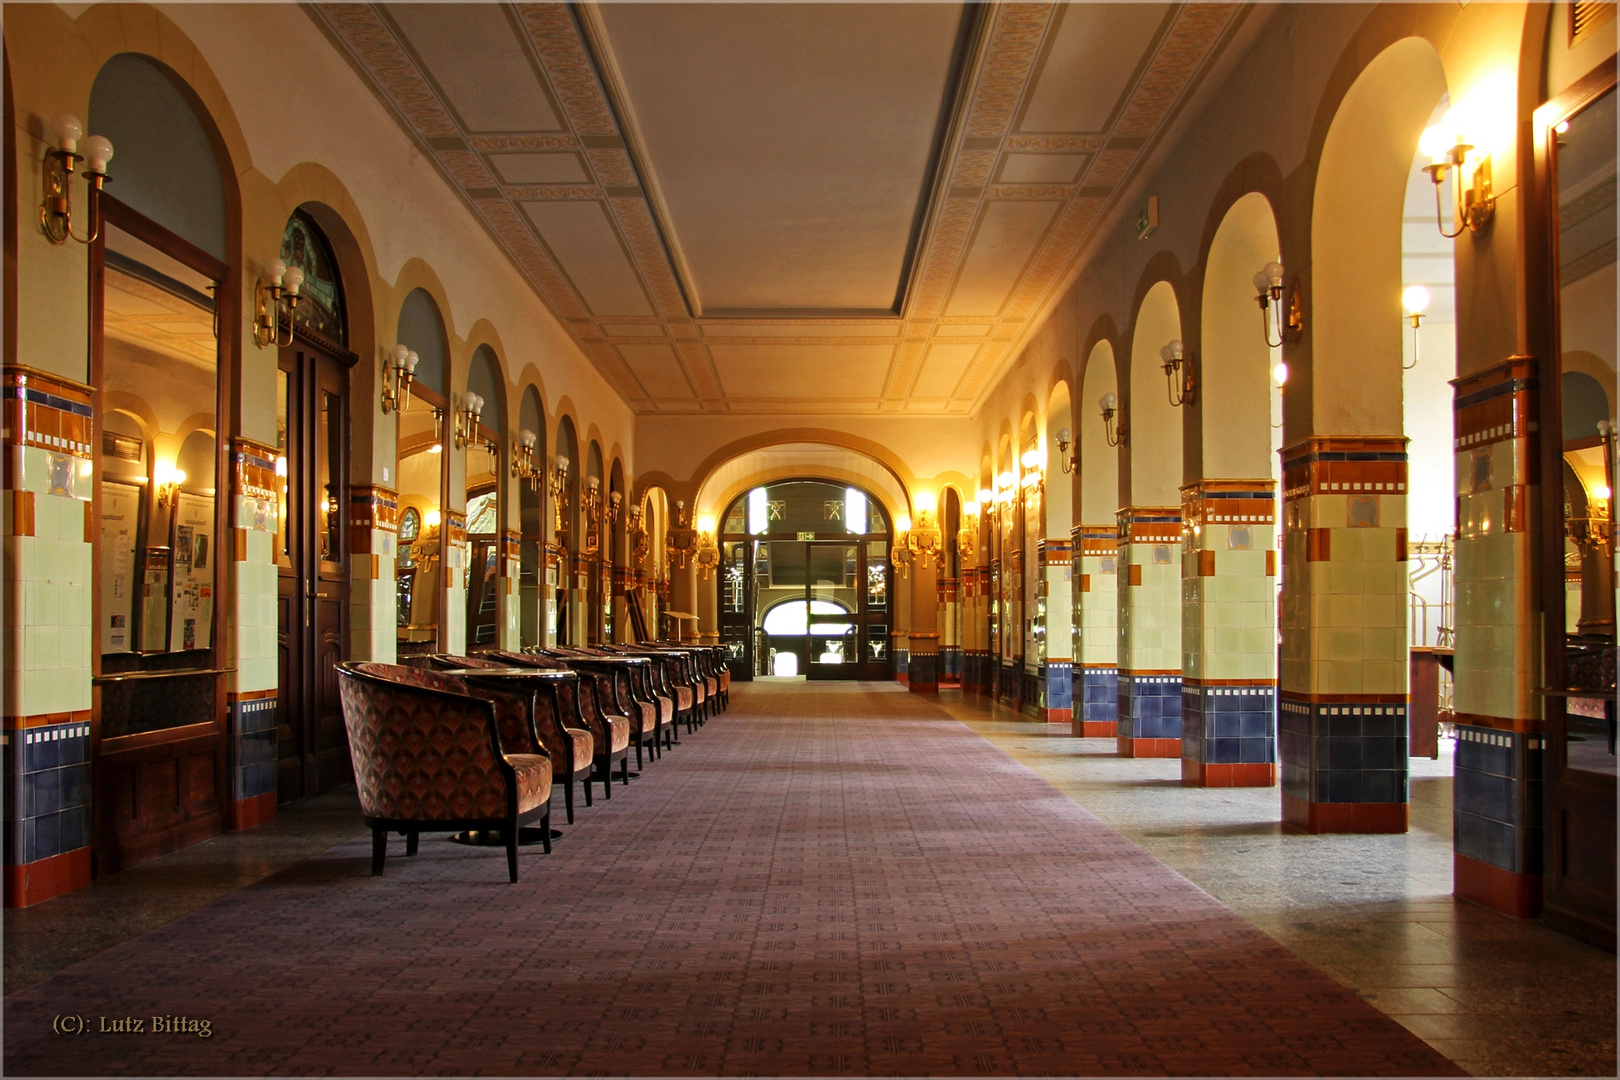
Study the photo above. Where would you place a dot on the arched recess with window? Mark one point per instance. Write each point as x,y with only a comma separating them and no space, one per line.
813,554
422,559
566,597
593,549
487,610
613,549
167,247
531,488
313,441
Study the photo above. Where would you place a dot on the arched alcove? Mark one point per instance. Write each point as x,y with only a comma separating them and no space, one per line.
1099,462
1235,362
1155,424
167,165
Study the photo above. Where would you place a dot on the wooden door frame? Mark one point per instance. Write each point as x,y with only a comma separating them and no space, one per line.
106,854
1542,318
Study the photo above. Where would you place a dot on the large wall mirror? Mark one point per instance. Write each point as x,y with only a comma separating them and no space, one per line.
423,426
1578,172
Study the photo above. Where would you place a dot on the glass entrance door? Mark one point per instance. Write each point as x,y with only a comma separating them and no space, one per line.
832,599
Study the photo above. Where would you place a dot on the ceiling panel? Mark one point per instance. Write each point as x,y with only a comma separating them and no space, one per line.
1089,63
944,367
810,371
496,91
801,330
540,168
790,143
658,369
583,240
1006,237
1042,168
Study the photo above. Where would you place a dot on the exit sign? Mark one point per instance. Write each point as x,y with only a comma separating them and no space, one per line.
807,536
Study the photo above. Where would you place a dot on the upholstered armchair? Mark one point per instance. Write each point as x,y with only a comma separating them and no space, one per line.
540,709
618,690
428,754
577,702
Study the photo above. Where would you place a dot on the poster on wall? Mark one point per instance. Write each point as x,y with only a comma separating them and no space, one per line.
191,607
120,519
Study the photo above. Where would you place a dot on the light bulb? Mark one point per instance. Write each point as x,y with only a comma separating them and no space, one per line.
281,465
1107,402
1601,491
1175,349
1031,458
1274,274
1063,436
971,509
411,361
432,519
68,132
985,496
436,448
275,270
1279,374
399,354
294,280
1435,142
1261,282
1006,480
925,501
1416,299
97,152
526,438
902,523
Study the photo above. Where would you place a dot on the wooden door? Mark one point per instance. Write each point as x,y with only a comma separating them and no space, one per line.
312,747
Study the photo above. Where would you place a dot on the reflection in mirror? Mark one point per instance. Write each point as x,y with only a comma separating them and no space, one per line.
417,563
159,383
1585,171
483,533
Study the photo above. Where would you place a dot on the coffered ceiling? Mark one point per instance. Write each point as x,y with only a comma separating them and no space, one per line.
788,208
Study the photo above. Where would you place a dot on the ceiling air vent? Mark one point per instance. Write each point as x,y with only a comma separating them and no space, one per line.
1586,16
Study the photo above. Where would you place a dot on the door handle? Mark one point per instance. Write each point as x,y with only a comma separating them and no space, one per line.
318,596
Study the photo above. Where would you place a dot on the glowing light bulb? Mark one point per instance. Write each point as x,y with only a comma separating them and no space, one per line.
1279,374
1416,300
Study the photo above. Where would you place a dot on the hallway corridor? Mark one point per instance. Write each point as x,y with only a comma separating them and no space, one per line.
827,879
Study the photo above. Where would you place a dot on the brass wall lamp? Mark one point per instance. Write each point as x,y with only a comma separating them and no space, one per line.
56,210
1268,283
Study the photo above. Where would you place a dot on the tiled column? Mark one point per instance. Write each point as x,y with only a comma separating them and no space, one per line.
251,635
923,637
1150,631
1057,672
49,439
1096,602
373,593
1497,790
973,645
950,647
1342,734
509,603
1229,633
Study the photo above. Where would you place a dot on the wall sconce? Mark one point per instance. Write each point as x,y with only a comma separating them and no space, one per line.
1269,284
967,537
681,538
1416,301
591,503
1174,356
524,466
639,547
707,556
1033,475
168,480
900,550
614,501
923,539
1448,148
559,491
472,407
398,371
593,496
56,210
283,284
1069,463
1108,404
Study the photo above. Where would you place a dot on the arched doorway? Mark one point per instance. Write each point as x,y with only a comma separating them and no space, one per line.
818,545
312,465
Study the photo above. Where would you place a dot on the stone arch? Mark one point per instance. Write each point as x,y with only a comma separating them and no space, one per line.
1154,449
1234,361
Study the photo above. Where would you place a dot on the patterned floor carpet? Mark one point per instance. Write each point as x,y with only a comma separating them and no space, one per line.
828,879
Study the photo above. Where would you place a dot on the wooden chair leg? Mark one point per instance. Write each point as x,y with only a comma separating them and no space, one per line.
624,768
606,772
411,839
587,786
568,797
512,849
545,831
379,849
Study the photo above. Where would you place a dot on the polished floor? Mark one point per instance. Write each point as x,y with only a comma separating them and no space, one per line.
836,788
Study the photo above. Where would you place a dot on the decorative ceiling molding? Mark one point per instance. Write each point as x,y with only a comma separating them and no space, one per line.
990,253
